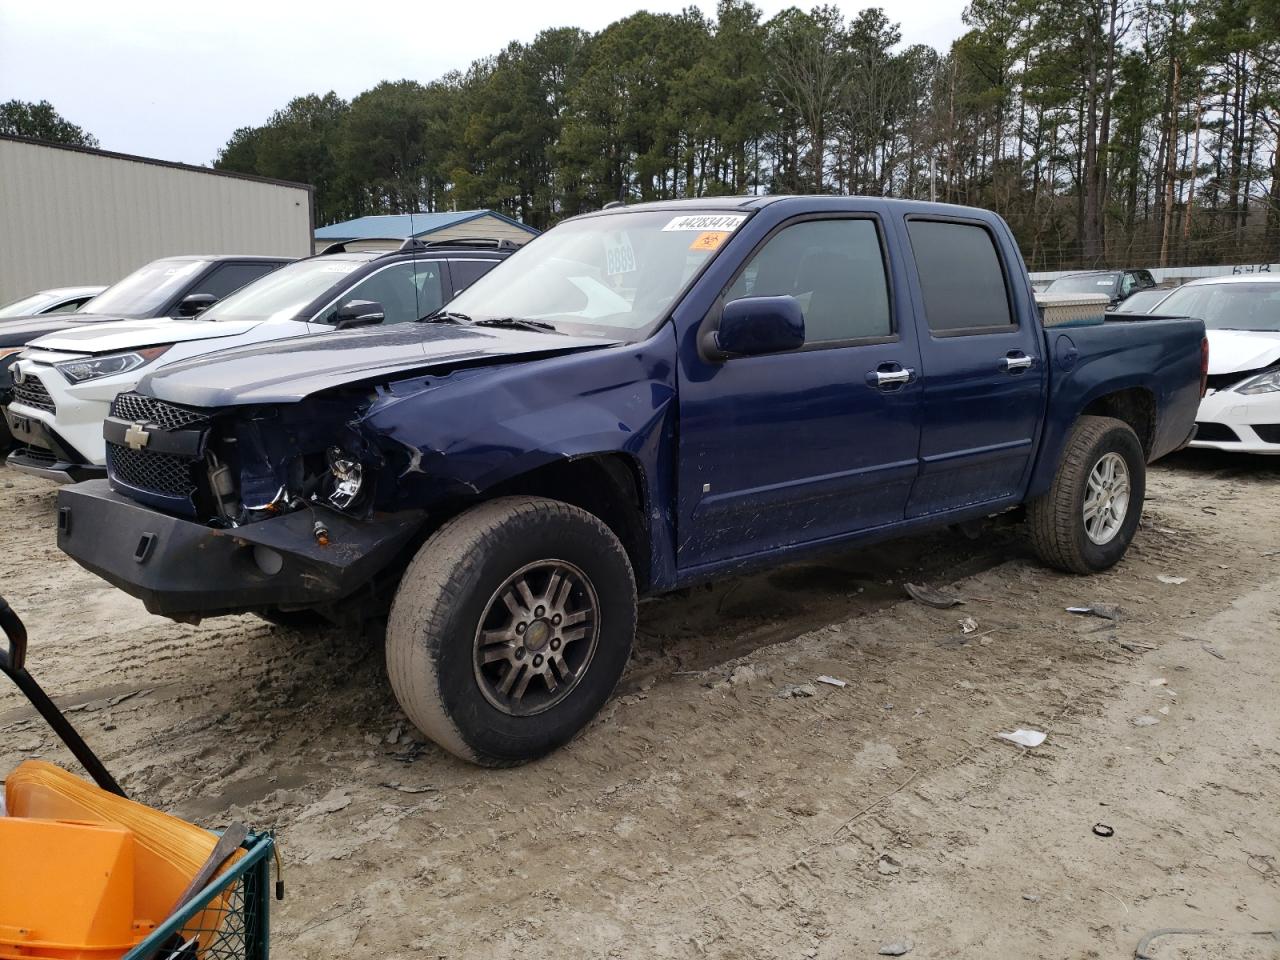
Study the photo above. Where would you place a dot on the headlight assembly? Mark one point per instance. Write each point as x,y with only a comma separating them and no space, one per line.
107,365
346,479
1268,382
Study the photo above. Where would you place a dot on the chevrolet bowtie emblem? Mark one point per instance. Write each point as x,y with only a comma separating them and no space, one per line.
137,436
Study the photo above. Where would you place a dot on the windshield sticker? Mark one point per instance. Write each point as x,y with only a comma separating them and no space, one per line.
1105,283
338,267
706,221
710,240
619,257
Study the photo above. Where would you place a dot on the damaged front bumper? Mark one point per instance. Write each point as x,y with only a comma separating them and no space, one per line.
186,571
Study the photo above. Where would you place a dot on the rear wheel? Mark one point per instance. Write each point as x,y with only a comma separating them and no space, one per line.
1089,516
511,628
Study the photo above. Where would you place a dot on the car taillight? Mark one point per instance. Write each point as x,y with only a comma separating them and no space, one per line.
1204,367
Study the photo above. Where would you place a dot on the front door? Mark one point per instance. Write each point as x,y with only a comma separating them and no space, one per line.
797,447
984,376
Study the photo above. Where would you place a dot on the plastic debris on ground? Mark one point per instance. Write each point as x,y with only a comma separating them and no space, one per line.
1145,721
832,681
968,625
1024,738
1104,611
898,948
931,597
1172,581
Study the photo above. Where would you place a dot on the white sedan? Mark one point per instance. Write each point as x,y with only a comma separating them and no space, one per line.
1241,411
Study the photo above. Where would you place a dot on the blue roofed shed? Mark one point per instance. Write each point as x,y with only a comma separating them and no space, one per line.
449,225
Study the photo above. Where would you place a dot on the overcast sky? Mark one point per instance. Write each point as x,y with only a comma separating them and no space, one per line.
173,79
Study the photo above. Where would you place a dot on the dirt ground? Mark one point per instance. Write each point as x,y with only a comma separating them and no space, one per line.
702,815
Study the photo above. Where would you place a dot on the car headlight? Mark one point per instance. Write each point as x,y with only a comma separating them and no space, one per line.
107,365
346,479
1268,382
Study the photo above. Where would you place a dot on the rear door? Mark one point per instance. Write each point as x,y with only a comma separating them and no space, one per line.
983,374
790,448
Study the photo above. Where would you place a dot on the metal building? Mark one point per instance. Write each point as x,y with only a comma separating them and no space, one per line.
71,215
442,225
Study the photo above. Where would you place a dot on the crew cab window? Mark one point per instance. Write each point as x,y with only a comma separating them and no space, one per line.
407,291
230,277
960,277
835,268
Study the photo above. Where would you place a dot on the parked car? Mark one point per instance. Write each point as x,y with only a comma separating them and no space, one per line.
55,300
65,382
1144,301
1241,412
1118,285
174,286
641,399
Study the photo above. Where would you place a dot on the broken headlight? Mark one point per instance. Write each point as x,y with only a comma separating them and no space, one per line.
346,479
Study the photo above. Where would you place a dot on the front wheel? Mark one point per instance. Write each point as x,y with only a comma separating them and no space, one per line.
511,628
1086,521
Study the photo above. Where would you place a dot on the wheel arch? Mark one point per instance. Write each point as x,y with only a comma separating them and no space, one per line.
609,485
1135,406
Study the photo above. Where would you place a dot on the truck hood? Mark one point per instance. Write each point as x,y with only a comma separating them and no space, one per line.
285,372
1235,351
133,334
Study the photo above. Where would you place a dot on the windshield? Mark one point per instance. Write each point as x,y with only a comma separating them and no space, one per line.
1089,283
1142,301
282,294
609,276
27,305
1228,306
143,292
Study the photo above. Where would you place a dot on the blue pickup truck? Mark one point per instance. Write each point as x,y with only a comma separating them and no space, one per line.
642,398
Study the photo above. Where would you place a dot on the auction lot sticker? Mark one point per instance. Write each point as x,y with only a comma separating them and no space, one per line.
704,222
710,240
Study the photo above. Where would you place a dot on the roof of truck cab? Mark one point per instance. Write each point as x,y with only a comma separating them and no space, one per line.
818,200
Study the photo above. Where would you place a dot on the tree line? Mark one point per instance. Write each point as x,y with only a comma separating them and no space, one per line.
1107,132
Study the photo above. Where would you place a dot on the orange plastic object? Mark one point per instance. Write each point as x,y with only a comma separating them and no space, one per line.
66,890
168,852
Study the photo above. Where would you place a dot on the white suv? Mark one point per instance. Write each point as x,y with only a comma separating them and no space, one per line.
63,384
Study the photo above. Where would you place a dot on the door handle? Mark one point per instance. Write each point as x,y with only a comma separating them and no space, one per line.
890,379
1015,363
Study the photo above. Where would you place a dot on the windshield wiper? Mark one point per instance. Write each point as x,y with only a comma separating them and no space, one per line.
445,316
519,323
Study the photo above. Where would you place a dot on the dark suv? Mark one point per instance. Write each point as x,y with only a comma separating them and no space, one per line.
1118,285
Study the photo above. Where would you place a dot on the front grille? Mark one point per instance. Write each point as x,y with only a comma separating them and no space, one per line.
1216,433
160,473
31,392
167,416
1269,432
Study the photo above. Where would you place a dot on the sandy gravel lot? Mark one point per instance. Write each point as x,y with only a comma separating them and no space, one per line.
702,815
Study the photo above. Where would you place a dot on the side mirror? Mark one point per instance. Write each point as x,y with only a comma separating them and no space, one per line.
359,313
195,304
757,325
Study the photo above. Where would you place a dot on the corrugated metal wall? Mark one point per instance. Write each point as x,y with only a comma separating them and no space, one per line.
70,216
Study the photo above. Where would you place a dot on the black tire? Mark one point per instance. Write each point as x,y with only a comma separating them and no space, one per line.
1057,519
452,585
